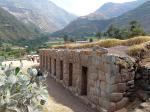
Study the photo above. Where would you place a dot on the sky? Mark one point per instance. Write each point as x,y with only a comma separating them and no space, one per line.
83,7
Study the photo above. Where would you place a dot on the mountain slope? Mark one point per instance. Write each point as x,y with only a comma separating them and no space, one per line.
111,10
11,28
43,13
86,27
141,14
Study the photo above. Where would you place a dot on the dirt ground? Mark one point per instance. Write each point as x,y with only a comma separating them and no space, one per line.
62,100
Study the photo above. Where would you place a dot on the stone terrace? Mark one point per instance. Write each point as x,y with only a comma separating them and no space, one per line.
97,77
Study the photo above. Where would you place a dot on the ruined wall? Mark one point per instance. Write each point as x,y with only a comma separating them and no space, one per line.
99,79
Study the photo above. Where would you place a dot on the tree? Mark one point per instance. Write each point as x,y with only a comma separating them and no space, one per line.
65,37
124,34
99,35
91,40
112,31
72,40
135,29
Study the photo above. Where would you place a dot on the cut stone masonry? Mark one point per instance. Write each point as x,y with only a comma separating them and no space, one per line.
100,79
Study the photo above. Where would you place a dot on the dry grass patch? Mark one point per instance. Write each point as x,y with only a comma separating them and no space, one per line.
136,45
136,50
106,43
102,43
110,43
136,40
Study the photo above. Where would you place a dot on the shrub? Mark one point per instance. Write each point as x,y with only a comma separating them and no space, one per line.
19,92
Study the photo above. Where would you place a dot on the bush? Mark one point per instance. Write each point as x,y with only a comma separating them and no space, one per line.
21,92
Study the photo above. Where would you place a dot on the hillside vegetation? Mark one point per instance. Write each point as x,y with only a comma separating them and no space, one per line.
43,13
11,28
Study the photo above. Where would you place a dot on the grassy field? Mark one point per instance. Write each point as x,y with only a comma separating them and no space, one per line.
54,42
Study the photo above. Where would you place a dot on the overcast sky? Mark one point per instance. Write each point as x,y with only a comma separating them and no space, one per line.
83,7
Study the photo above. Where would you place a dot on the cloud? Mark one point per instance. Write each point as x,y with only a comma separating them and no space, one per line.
83,7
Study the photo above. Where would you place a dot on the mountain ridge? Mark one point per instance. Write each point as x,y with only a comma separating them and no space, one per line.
43,13
87,27
11,28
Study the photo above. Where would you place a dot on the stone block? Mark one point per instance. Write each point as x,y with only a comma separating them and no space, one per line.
103,67
110,79
115,97
94,76
95,100
96,60
130,83
120,78
120,88
112,107
101,75
122,103
104,94
105,103
104,86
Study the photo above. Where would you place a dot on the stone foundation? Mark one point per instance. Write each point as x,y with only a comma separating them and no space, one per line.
100,79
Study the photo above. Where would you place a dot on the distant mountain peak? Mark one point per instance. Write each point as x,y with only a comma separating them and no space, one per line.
109,13
111,9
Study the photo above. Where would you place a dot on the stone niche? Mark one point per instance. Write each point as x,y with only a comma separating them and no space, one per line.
98,78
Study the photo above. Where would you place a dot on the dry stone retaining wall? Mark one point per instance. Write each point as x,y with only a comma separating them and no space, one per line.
99,79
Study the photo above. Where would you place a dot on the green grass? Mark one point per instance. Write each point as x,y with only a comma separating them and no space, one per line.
54,42
12,53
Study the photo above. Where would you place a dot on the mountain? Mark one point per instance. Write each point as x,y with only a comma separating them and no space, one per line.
111,10
12,28
84,26
43,13
141,14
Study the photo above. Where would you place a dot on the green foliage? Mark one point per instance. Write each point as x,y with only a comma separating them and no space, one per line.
65,37
91,40
22,92
99,35
72,40
31,44
17,70
133,30
112,31
16,53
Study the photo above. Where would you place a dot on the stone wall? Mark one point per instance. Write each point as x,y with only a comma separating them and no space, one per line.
99,79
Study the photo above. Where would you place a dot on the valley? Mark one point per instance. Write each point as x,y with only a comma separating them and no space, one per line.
54,57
